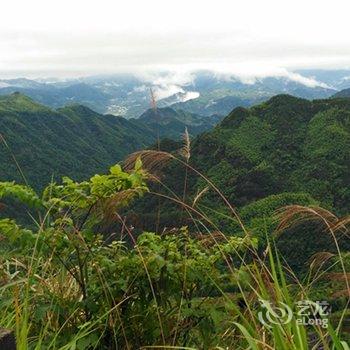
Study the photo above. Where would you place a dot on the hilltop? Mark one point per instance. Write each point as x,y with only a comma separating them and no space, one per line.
77,141
73,140
172,123
286,144
201,92
342,94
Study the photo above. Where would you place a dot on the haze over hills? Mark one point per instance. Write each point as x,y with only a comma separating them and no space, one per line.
343,93
57,95
338,78
201,92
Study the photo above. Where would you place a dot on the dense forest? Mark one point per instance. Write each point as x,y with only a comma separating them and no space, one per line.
76,141
181,245
286,144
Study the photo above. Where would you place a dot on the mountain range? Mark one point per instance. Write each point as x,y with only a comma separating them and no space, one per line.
69,141
343,93
76,141
283,145
201,92
171,123
286,150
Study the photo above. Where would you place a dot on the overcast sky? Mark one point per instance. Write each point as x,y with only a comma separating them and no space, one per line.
84,37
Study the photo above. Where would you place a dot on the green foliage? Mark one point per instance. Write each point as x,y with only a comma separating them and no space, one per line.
285,151
283,145
19,238
20,103
172,123
20,192
328,158
73,141
74,284
261,217
83,277
251,138
268,206
119,291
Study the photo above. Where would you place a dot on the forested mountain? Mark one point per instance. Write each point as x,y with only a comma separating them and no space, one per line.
284,151
171,123
76,141
200,92
73,141
286,144
342,93
195,249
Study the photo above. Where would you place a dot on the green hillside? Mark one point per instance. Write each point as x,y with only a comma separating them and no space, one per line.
73,141
77,141
284,146
190,257
172,123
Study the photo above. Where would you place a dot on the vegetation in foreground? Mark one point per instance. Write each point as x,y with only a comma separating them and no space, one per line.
84,279
198,272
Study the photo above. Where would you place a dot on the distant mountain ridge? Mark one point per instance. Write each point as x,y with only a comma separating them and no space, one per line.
77,141
171,123
56,97
283,145
342,94
200,92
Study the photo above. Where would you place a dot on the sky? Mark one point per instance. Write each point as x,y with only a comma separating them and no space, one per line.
69,38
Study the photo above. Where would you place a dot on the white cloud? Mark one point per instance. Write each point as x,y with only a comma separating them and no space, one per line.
249,74
3,84
165,91
310,82
166,84
166,78
190,95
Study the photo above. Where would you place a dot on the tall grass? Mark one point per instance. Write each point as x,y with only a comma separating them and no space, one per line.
259,279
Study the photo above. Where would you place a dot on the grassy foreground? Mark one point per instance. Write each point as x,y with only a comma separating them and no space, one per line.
80,277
